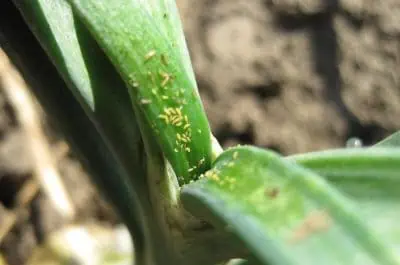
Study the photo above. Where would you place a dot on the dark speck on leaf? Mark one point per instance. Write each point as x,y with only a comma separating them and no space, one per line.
272,193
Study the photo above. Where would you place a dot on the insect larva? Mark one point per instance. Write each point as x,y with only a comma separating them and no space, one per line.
145,101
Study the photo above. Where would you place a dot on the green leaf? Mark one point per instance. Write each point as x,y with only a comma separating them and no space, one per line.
133,36
353,162
166,13
369,176
69,116
103,96
87,72
90,77
284,213
142,187
391,141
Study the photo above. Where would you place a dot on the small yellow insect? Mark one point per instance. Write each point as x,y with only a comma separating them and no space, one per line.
145,101
166,78
150,55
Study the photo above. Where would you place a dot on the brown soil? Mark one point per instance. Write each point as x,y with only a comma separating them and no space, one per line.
290,75
296,75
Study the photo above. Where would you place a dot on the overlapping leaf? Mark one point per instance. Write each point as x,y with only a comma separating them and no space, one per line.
161,87
284,213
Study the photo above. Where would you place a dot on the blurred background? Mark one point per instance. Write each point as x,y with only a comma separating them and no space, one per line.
290,75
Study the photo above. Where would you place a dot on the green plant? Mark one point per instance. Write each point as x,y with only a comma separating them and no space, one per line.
120,85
